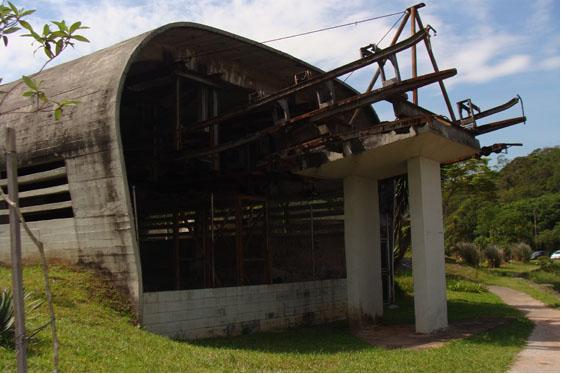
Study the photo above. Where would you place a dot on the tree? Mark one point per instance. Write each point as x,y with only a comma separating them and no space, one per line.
53,39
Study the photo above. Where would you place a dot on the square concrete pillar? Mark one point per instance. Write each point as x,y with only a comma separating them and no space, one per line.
428,262
362,250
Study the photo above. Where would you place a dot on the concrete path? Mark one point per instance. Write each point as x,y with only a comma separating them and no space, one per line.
542,353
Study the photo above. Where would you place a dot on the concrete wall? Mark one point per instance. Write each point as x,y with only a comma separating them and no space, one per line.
58,235
193,314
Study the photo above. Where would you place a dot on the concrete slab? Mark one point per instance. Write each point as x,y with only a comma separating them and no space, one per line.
386,154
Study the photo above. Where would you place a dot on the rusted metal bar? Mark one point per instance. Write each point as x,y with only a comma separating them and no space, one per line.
489,112
383,93
313,259
322,140
177,251
485,151
378,71
339,107
413,13
215,129
15,249
269,257
178,129
239,244
330,75
497,125
436,68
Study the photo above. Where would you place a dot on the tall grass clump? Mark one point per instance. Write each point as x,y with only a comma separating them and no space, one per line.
493,255
521,252
467,252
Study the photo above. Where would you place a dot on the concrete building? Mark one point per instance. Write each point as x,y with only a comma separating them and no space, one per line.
217,220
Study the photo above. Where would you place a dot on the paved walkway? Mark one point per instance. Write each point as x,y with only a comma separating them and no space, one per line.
542,353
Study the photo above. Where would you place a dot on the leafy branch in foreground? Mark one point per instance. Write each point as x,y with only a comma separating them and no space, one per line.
52,40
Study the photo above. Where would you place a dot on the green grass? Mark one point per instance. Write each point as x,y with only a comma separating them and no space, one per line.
512,275
97,335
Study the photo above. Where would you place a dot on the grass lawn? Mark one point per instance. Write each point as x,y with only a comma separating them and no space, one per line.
97,335
516,275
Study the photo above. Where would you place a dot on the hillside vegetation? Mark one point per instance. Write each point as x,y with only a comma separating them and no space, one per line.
519,203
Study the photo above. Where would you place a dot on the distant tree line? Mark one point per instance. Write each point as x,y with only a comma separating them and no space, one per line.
518,201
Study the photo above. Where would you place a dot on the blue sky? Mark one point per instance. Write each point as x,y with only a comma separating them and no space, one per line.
501,48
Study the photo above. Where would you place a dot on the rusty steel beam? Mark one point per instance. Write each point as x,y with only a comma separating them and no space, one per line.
484,129
380,94
489,112
339,107
320,78
414,14
485,151
378,71
436,68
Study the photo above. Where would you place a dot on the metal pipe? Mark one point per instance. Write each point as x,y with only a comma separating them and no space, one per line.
413,13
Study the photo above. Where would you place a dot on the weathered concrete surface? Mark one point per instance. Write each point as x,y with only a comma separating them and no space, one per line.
542,352
362,249
386,155
88,136
428,249
192,314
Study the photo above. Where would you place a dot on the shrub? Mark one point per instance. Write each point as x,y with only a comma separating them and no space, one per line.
493,255
7,318
506,253
468,253
464,286
549,266
521,252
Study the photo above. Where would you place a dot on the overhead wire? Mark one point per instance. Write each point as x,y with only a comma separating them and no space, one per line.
381,39
354,23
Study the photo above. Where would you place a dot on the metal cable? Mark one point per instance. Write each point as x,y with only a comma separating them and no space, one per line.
332,27
302,34
381,39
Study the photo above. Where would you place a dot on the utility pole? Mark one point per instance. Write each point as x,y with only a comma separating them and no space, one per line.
15,247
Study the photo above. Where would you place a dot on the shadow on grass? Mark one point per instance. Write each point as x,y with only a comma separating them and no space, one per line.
336,337
326,339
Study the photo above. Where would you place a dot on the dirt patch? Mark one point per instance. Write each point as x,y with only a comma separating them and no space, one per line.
404,336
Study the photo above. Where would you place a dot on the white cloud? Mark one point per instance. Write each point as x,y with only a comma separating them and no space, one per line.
481,53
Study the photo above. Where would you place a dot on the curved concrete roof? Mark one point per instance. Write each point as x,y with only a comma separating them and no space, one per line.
97,80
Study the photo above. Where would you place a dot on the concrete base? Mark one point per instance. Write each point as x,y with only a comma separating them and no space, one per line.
430,299
362,249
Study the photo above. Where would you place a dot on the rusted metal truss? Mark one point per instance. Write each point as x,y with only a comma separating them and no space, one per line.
331,122
488,150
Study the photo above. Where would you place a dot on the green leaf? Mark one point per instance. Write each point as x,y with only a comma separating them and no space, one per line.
26,25
27,12
61,25
13,7
59,46
58,113
47,50
30,82
11,30
68,102
80,38
28,93
46,30
75,26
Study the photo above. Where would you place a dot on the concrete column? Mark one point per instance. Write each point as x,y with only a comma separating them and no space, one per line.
362,250
430,299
